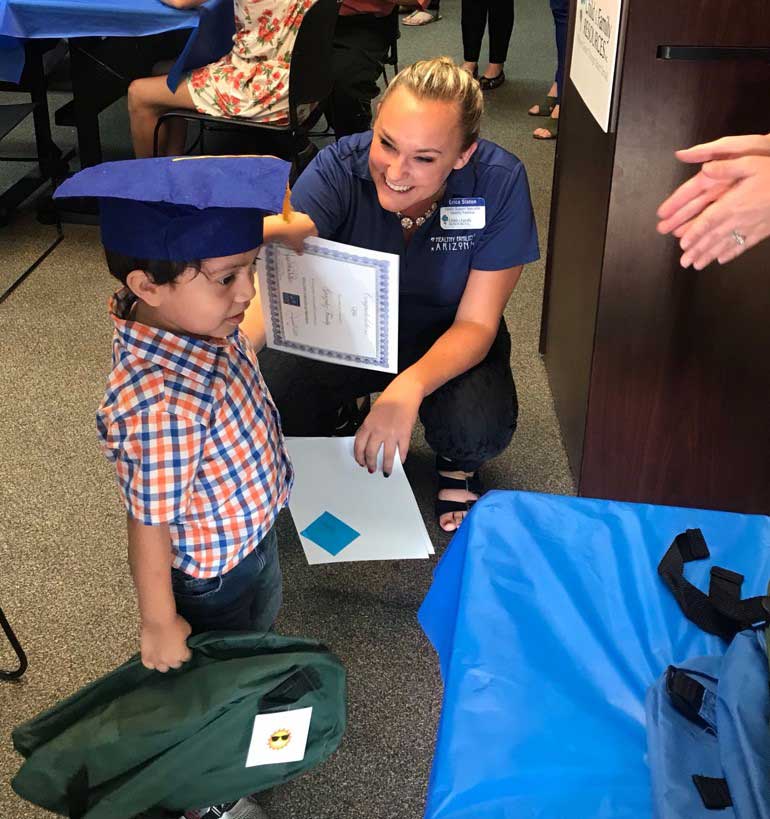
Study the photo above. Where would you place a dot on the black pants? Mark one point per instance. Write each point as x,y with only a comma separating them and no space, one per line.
361,43
474,21
469,420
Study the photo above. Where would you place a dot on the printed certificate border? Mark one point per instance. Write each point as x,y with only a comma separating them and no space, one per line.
380,267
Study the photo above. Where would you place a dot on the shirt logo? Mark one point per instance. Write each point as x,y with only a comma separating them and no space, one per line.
452,243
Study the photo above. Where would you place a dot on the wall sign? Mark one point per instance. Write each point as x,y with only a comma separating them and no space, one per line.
594,55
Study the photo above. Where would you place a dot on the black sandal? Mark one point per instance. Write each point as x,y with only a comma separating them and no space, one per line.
470,484
350,417
490,83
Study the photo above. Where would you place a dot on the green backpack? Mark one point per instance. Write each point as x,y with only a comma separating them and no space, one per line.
137,741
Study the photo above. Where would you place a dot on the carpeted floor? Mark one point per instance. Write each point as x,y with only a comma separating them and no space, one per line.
64,582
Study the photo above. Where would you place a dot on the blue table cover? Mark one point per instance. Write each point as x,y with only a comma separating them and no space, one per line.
550,622
25,19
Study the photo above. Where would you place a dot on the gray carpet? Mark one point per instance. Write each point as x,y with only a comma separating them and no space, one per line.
64,582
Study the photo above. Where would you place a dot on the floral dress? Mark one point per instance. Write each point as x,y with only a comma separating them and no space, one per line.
252,81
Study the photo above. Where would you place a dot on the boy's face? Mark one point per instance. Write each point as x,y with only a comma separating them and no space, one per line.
209,302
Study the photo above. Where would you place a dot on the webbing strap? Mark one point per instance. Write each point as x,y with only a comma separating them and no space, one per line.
714,792
77,793
687,696
719,612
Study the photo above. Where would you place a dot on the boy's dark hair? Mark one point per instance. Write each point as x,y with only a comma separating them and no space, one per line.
160,270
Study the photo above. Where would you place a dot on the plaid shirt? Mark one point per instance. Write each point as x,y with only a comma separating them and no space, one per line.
195,439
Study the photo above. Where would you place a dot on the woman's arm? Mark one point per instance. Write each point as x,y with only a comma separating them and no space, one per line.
461,347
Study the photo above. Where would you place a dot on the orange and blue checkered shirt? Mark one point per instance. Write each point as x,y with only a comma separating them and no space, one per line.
196,440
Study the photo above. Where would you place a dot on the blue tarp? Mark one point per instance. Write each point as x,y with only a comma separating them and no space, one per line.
25,19
550,622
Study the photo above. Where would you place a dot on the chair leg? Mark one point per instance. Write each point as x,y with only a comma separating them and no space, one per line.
16,645
7,292
155,136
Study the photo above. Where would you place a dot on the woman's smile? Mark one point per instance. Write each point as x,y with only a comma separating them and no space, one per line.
397,188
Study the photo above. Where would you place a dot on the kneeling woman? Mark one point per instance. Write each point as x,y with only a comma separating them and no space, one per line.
457,211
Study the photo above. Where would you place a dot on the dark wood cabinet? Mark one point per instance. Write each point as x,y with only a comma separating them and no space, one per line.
661,376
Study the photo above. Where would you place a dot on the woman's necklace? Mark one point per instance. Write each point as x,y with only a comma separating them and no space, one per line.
407,223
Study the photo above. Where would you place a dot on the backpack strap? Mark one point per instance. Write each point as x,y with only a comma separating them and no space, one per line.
77,793
691,699
721,611
714,792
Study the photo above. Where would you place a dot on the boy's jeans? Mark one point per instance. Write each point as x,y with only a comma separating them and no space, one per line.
247,598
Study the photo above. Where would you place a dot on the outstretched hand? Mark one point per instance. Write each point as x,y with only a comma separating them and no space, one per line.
725,208
389,424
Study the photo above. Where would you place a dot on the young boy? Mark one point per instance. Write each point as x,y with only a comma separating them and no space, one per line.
187,419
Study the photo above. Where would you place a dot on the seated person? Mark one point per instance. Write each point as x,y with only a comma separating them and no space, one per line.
364,32
251,82
457,211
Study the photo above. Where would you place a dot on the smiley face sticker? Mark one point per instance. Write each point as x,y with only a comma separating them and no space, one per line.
279,739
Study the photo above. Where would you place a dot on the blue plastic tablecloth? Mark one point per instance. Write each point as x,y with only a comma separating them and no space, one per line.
25,19
550,622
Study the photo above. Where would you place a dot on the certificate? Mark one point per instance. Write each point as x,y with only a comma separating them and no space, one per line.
335,303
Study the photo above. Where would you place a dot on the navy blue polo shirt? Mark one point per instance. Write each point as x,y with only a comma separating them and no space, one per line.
338,193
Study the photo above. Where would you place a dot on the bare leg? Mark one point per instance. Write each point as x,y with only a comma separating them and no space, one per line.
148,98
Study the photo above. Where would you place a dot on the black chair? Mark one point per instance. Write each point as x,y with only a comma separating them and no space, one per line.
310,83
16,645
51,165
11,115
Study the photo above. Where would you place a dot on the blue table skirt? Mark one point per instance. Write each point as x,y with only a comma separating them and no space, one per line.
550,622
32,19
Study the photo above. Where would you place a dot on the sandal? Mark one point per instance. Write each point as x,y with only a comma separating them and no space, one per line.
350,417
470,484
545,107
552,128
421,17
490,83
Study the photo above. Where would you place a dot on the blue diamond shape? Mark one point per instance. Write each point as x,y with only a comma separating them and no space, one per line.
330,533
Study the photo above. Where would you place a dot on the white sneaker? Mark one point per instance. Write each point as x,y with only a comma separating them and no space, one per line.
245,808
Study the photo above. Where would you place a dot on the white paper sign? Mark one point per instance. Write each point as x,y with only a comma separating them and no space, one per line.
279,737
594,55
344,514
334,303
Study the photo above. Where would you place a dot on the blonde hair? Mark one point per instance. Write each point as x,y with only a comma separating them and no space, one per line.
440,79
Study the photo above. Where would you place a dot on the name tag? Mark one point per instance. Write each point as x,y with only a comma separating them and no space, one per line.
461,213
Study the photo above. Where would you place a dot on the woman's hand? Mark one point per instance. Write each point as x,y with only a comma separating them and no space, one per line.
733,203
291,233
730,195
389,424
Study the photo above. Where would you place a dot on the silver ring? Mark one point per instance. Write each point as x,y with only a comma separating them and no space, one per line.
738,238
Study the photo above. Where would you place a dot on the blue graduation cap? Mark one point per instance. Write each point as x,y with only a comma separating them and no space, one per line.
182,208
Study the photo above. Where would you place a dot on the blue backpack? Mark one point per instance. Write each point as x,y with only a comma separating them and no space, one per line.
708,720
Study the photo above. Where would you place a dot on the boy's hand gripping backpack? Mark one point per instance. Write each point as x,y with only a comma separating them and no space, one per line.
137,741
708,720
